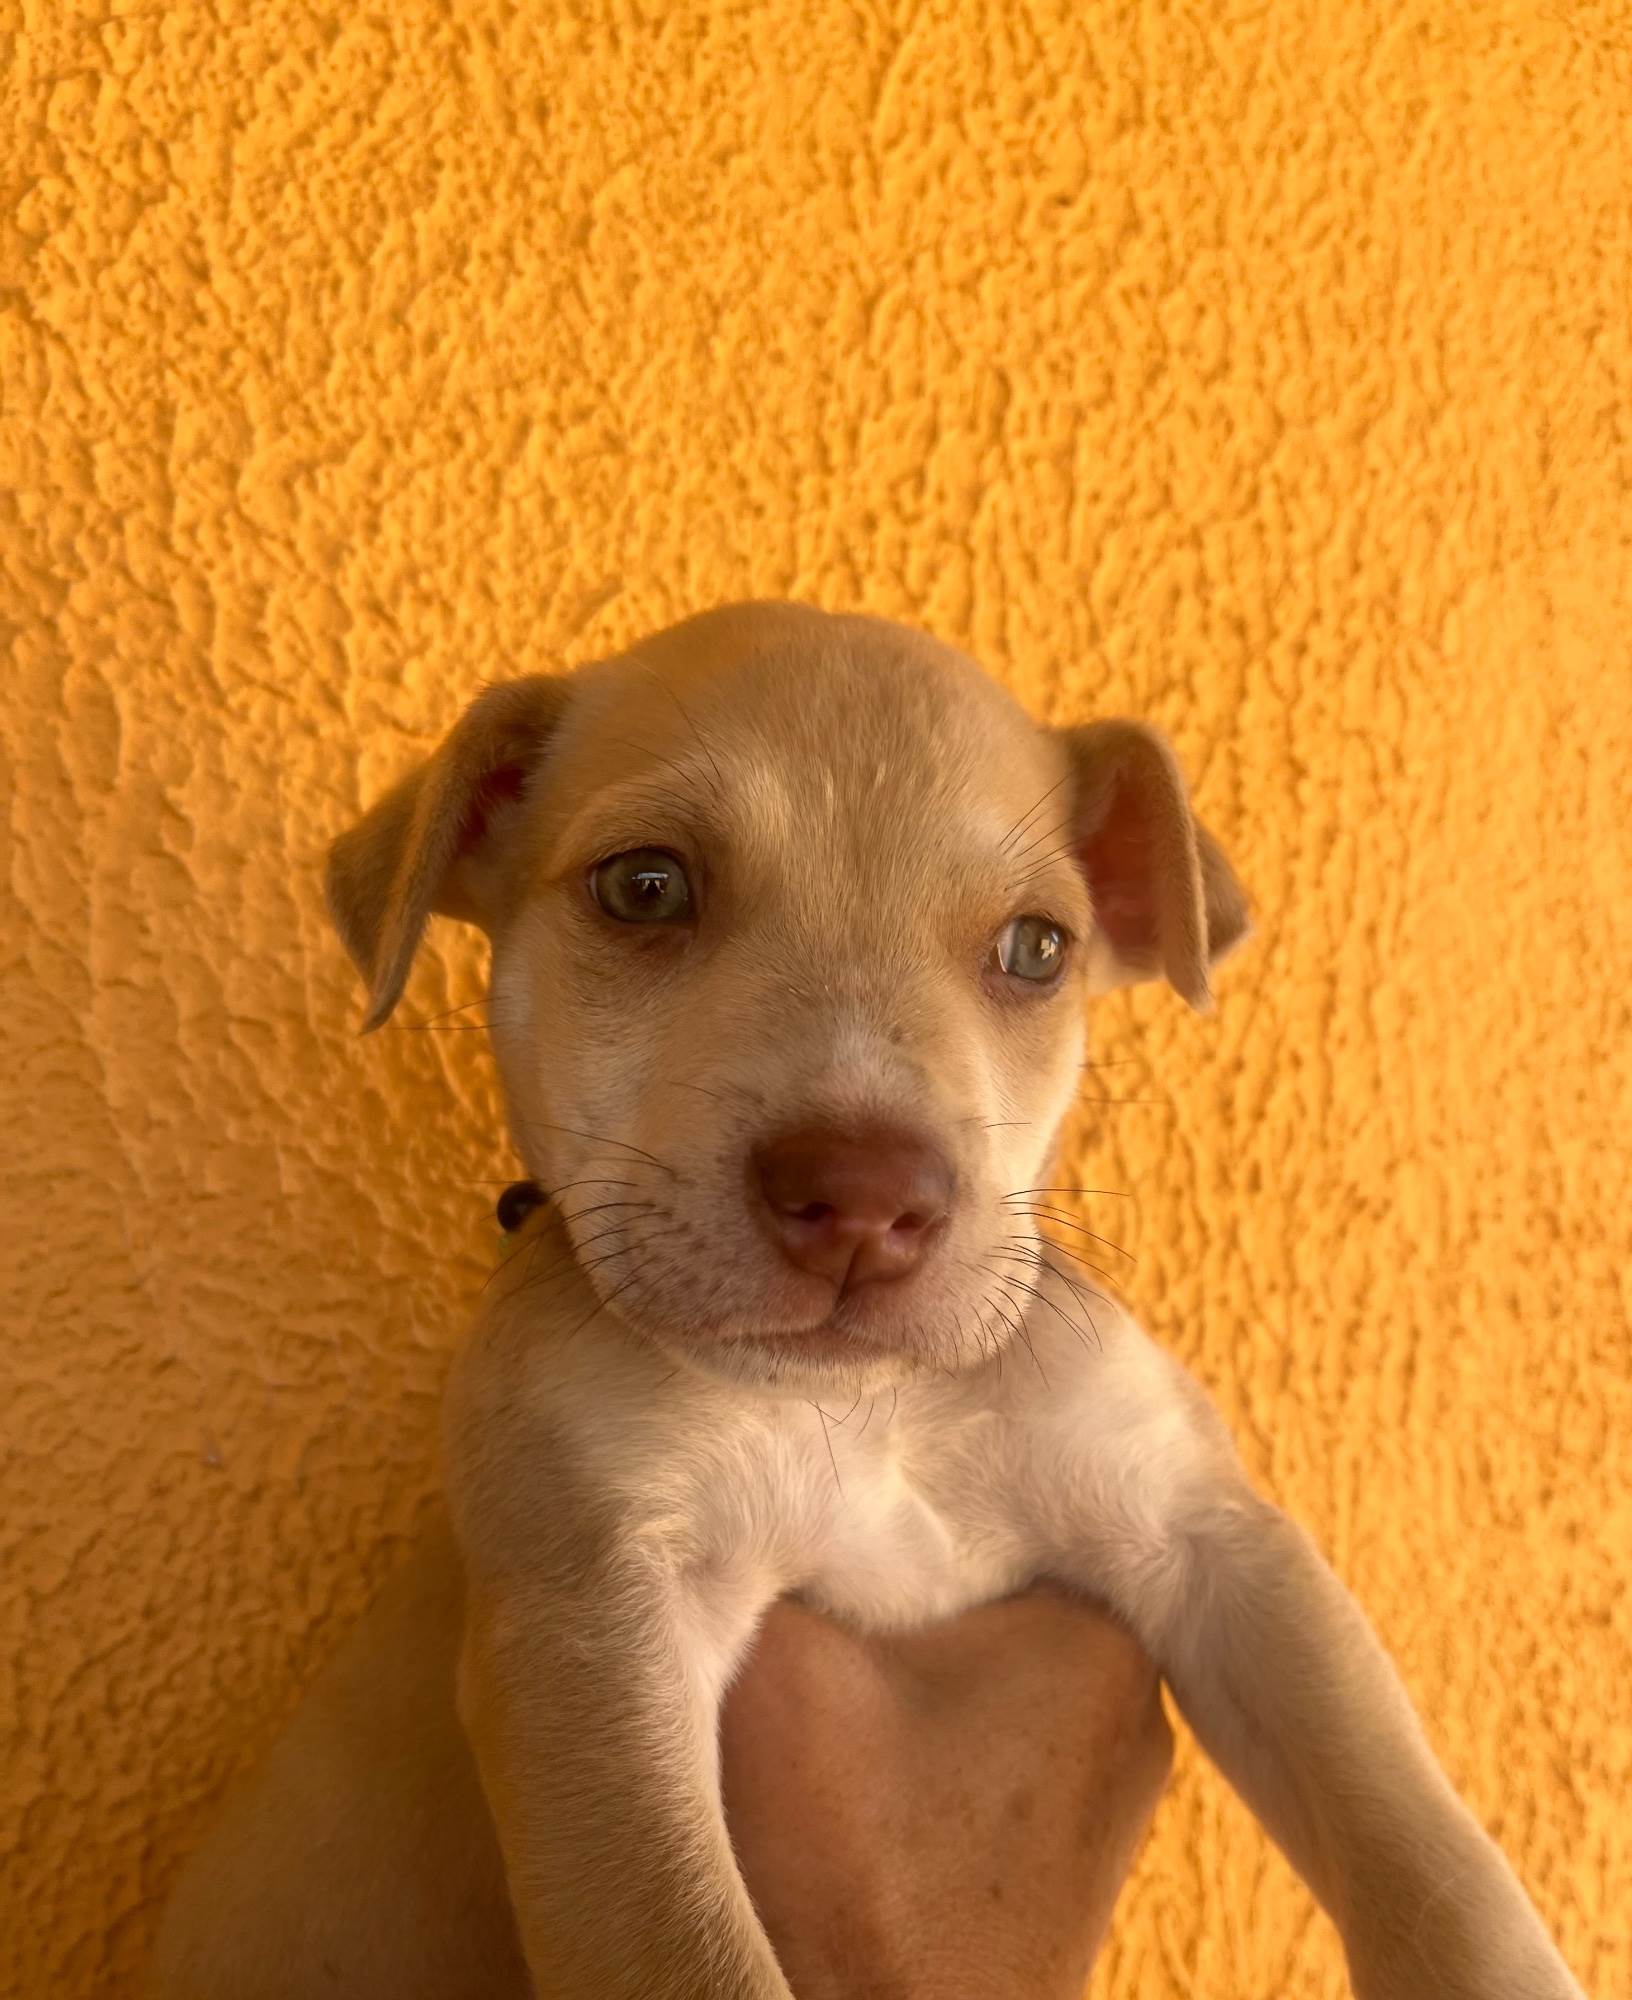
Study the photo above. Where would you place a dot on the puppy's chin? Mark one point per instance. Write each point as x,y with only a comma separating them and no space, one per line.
799,1363
768,1326
850,1351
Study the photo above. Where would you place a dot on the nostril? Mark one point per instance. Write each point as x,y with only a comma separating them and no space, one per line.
854,1206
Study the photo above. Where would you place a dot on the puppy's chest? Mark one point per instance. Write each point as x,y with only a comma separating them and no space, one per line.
889,1535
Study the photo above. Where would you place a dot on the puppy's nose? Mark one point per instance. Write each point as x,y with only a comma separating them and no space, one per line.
854,1207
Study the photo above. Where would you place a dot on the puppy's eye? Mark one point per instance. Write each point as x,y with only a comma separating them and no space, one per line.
1032,948
644,886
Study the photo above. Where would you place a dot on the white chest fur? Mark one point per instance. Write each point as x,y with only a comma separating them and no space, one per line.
901,1544
895,1512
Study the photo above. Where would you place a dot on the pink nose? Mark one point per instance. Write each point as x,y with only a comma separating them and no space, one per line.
857,1208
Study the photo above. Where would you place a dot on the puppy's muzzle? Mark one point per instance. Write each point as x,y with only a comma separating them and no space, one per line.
858,1208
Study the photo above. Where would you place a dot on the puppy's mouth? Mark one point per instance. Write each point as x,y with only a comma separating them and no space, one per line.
873,1281
885,1329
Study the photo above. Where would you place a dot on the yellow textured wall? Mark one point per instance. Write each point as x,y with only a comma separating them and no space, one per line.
1263,369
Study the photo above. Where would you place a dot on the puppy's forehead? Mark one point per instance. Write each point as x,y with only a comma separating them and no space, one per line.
803,719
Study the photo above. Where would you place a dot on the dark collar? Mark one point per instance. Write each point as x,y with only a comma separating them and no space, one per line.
517,1202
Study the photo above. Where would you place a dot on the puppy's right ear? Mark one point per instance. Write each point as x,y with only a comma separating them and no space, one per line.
432,844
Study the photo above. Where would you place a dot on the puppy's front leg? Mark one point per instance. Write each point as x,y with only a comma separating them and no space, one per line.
594,1723
598,1644
1282,1679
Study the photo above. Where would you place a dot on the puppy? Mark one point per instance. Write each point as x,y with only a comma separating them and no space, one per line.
792,919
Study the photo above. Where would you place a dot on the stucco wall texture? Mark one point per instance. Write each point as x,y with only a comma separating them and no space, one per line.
1265,371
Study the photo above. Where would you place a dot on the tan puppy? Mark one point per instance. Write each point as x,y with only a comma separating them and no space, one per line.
792,920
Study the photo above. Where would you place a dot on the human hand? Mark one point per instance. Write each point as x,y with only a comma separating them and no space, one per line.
948,1814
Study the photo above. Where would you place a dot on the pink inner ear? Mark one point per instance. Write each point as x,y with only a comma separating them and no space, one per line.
1117,860
501,786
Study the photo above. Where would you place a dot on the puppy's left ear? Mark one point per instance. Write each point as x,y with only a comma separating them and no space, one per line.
1166,902
437,841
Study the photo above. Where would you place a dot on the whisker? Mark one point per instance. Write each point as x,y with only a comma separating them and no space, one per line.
1025,1335
702,1090
1017,1327
1041,1297
1047,1208
719,779
1003,844
463,1007
1049,833
1066,1251
624,1201
1062,1220
581,1267
828,1441
1002,1278
600,1208
1121,1194
1077,1286
601,1139
985,1341
531,1276
998,1308
647,785
600,1236
1066,851
621,1160
575,1259
616,1292
1077,1289
532,1280
1041,1372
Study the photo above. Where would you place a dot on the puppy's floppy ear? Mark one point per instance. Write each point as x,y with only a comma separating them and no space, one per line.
1166,902
431,844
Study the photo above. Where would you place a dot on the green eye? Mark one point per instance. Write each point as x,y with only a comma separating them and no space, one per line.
1032,948
644,886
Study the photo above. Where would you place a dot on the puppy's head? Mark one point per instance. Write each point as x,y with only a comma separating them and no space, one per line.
792,918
